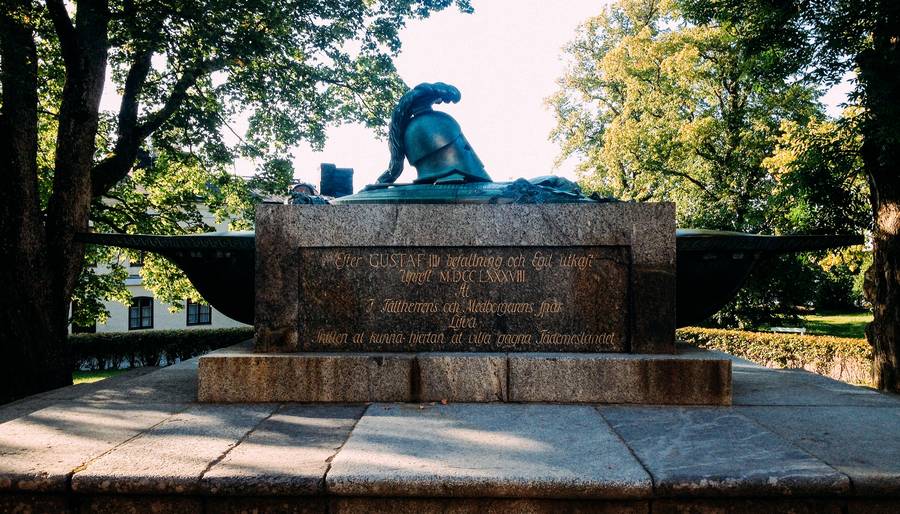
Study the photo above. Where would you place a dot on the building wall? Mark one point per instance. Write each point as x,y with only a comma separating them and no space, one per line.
163,319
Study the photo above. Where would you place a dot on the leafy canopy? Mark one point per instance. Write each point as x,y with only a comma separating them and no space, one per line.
187,72
654,107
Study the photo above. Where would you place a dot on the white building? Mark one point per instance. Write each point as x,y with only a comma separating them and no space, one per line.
148,313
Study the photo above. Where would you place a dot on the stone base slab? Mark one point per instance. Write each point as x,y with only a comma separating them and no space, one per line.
238,374
792,442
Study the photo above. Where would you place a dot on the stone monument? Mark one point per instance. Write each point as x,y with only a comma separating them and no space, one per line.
458,288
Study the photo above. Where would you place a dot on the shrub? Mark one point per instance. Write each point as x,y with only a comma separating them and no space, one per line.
149,347
838,357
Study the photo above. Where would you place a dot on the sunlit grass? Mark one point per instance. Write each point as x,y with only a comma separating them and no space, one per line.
87,377
838,324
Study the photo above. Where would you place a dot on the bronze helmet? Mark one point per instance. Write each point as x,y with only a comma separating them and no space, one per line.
432,141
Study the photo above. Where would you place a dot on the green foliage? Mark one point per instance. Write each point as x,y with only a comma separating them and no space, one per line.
772,294
111,350
781,289
838,324
654,107
841,276
96,285
169,194
188,73
820,38
657,109
859,279
89,377
818,168
821,354
273,177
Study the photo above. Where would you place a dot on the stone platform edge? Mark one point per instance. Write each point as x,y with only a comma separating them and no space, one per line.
239,375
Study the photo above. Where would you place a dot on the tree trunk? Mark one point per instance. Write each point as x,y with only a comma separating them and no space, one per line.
879,76
68,210
31,338
883,291
41,260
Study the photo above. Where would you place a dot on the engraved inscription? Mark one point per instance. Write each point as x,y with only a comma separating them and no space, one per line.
464,299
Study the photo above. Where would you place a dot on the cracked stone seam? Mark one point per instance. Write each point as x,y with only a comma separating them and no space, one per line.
323,486
84,465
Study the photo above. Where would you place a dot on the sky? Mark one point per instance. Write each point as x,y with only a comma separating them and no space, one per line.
505,59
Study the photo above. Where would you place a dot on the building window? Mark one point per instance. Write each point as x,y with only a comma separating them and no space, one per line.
138,260
198,313
140,314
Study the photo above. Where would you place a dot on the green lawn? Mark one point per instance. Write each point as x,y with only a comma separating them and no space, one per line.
839,324
86,377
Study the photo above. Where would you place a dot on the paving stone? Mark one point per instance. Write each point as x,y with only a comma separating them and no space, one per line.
747,506
171,457
862,442
173,384
757,385
17,409
462,377
38,452
712,452
306,377
690,379
287,454
484,506
239,348
23,407
170,377
492,450
754,384
150,384
79,391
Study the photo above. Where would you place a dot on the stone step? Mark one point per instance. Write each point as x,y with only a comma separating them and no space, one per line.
690,378
792,442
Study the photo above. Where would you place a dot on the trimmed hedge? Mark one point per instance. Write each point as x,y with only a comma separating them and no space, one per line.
838,357
113,350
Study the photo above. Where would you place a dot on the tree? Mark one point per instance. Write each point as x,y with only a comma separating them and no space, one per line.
183,70
827,39
657,108
819,168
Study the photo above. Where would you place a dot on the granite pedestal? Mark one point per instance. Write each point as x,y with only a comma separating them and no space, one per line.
474,278
568,303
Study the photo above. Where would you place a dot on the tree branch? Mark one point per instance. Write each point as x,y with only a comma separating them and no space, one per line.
65,31
137,75
110,170
132,134
692,180
178,94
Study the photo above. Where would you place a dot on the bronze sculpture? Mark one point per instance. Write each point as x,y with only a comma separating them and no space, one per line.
432,141
447,168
